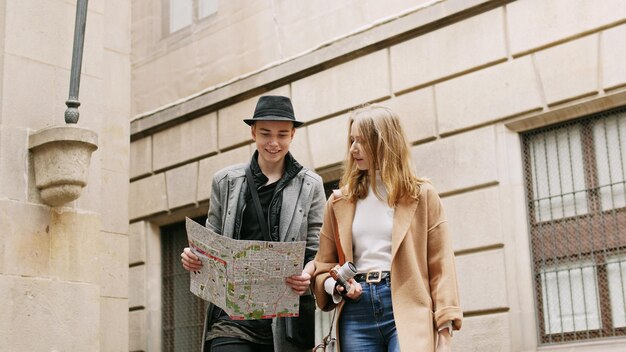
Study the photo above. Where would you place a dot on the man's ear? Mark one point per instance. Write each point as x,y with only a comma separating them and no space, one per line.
253,132
293,132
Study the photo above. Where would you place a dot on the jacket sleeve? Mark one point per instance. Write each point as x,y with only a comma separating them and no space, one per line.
314,220
441,267
326,258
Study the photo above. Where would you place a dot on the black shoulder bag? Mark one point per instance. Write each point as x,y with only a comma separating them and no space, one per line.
301,330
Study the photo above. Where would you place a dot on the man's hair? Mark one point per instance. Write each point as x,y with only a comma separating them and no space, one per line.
384,142
293,125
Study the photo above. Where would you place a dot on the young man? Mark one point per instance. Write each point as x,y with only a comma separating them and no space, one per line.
292,201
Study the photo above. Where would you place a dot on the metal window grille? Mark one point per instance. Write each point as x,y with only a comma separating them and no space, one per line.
183,313
576,185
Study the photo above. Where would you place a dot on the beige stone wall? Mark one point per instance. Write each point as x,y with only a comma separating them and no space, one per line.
464,91
64,271
242,37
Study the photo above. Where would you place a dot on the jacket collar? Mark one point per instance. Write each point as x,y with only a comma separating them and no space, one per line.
292,167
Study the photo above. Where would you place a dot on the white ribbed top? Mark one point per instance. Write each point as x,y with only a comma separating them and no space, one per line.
371,231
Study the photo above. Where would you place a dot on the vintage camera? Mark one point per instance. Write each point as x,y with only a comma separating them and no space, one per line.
343,274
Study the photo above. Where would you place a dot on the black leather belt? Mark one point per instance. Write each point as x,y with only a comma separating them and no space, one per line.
373,277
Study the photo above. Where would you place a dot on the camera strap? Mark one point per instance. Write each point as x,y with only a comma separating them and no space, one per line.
257,205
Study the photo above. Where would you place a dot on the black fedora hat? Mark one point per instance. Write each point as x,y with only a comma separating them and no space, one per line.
273,108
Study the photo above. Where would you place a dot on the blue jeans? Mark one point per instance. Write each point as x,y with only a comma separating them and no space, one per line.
368,325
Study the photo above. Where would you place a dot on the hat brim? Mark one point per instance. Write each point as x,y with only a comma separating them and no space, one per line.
250,122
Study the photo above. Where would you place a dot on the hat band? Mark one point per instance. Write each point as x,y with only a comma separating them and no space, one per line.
273,112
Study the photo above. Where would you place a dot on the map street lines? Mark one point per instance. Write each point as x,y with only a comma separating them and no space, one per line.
245,278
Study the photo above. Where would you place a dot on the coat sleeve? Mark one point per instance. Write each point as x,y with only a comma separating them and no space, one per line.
441,267
326,257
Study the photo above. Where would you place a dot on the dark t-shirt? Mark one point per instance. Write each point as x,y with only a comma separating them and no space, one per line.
258,331
250,227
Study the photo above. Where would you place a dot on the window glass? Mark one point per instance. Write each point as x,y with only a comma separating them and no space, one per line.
610,135
206,8
181,12
616,269
557,173
570,298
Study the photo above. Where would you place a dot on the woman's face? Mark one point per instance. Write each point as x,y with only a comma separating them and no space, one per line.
357,151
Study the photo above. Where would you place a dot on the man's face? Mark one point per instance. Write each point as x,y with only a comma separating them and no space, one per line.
273,139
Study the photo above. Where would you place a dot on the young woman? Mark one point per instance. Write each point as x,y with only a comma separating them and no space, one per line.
391,225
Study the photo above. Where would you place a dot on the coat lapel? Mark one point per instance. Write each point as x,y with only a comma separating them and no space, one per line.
402,217
344,214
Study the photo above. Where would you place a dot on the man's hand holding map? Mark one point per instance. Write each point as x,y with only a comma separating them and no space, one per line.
245,278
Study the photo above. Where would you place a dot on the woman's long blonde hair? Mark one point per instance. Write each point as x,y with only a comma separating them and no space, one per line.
384,142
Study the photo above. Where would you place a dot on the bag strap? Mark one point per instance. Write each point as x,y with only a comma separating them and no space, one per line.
257,204
340,253
342,259
327,340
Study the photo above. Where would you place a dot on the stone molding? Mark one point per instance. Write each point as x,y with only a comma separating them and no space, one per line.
569,111
61,157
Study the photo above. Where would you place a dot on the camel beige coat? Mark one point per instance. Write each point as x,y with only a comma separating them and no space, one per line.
423,276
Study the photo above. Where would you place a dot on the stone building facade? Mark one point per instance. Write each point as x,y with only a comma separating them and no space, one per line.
514,110
469,78
64,269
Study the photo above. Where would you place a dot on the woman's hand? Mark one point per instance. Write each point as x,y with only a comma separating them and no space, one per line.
309,268
190,261
355,290
444,340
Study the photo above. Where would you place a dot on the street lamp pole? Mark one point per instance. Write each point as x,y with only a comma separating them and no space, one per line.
71,113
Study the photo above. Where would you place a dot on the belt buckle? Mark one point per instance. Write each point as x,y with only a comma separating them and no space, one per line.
377,274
